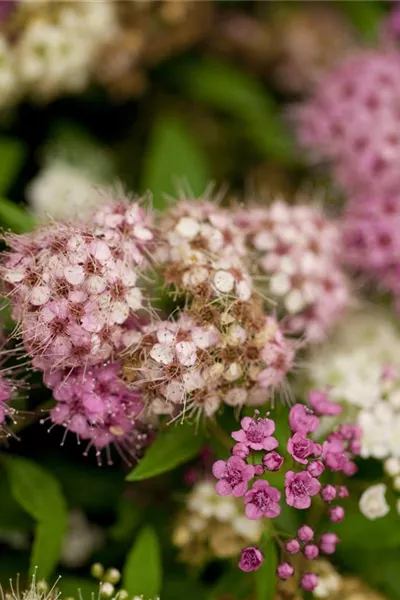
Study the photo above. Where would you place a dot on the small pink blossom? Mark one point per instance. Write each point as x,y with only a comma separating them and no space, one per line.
328,543
334,454
321,405
251,559
300,447
336,514
316,468
311,551
328,493
272,461
299,487
305,533
309,582
284,571
234,475
256,434
240,450
302,420
342,492
262,500
292,546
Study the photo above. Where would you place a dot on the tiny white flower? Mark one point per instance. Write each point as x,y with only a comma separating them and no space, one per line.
373,503
188,227
224,281
162,353
280,284
186,353
392,466
295,302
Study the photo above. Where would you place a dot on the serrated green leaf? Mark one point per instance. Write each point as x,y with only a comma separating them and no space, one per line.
266,574
173,157
174,446
15,217
39,493
227,89
12,153
142,573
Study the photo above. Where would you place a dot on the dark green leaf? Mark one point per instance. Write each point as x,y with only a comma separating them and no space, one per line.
225,88
173,157
142,572
175,445
15,217
12,154
40,495
266,574
366,16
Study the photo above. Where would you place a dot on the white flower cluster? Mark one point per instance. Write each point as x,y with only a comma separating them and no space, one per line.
351,363
54,48
62,191
218,521
361,369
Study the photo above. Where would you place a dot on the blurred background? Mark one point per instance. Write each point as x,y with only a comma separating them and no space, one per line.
155,95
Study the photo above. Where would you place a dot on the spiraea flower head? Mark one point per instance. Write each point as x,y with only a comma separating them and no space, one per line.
72,287
370,240
95,405
191,365
353,121
204,254
296,249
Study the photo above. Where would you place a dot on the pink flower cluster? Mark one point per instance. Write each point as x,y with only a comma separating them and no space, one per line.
188,366
204,252
371,240
97,406
298,248
302,482
353,120
72,287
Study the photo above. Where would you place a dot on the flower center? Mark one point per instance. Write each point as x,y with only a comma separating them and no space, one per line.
262,501
299,489
233,476
255,433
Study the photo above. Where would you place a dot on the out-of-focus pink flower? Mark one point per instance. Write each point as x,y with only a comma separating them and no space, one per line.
321,405
302,420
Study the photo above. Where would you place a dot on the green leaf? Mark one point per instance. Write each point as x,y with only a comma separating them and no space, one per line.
359,532
14,217
175,445
40,495
365,15
12,153
229,90
142,572
266,574
173,157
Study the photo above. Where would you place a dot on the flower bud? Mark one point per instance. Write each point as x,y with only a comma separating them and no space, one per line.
292,546
328,493
336,514
305,533
311,551
309,582
284,570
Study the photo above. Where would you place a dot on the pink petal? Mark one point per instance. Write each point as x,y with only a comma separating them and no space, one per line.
246,422
252,512
223,488
239,436
270,443
219,468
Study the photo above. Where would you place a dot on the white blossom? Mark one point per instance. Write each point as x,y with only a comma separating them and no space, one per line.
373,503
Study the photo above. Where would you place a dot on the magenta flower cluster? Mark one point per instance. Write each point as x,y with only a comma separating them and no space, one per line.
309,460
97,406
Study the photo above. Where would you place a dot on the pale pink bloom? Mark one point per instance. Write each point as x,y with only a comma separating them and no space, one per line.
300,447
302,420
251,559
256,434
